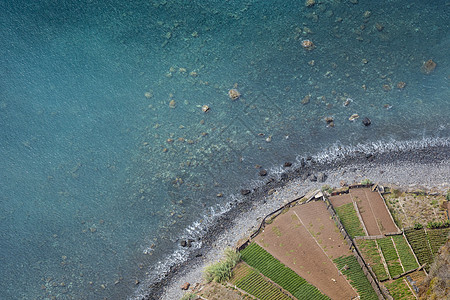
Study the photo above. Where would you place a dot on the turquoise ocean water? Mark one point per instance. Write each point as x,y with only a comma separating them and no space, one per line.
107,159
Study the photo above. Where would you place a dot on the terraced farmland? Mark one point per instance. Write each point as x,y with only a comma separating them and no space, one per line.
417,238
390,255
349,220
437,238
399,289
406,256
256,285
263,261
371,255
350,267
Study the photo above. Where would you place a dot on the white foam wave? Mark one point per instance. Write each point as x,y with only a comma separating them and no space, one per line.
335,152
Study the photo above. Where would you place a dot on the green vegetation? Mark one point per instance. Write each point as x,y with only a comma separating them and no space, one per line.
350,267
437,238
406,256
270,267
418,226
370,253
189,296
417,238
436,284
447,197
390,256
327,188
438,224
255,284
399,289
366,181
350,220
222,270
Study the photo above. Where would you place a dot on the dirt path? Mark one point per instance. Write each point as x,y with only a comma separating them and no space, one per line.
289,241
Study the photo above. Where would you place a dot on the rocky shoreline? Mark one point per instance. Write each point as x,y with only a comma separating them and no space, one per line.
427,168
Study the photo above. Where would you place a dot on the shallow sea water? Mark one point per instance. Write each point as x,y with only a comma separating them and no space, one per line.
100,177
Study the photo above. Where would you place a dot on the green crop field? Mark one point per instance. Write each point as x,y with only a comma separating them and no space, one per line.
350,220
390,256
270,267
437,238
399,289
356,276
256,285
417,238
370,253
405,253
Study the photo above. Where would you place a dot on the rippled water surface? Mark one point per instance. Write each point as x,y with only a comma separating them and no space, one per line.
107,159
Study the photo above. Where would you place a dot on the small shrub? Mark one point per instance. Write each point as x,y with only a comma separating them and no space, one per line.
366,182
447,197
418,226
434,225
222,270
446,224
327,188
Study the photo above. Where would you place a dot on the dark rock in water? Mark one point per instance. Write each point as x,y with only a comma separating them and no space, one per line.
284,176
199,254
262,172
321,177
183,243
309,157
287,164
189,242
313,177
366,121
370,157
245,192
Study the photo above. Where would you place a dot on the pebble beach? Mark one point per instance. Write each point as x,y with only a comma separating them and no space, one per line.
427,169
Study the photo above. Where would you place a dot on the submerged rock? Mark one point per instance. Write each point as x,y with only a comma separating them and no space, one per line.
428,66
287,164
245,192
262,172
234,94
353,117
366,121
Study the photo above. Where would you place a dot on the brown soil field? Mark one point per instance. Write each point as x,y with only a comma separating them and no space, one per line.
374,213
289,240
317,220
339,200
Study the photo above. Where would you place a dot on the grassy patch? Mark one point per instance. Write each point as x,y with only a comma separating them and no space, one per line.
222,270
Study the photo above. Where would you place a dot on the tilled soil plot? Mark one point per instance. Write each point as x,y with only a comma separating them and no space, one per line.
316,218
374,213
339,200
288,240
